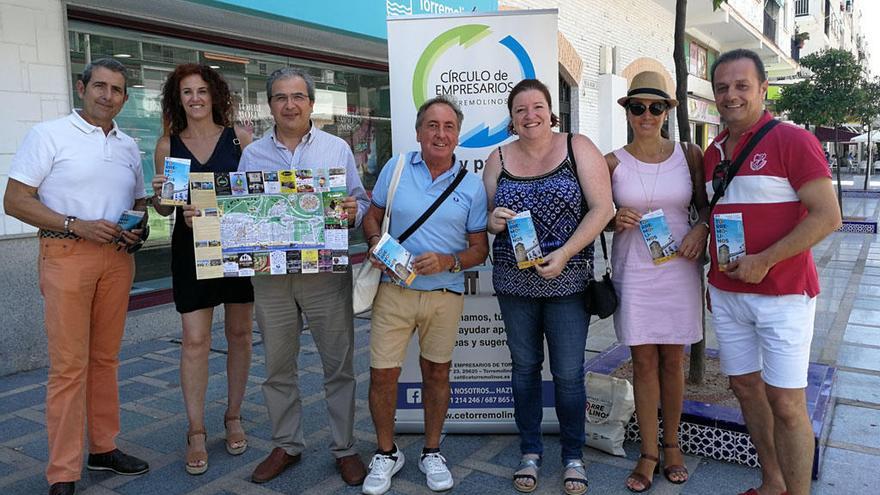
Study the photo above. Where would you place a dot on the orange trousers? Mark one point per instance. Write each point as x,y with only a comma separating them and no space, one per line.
85,286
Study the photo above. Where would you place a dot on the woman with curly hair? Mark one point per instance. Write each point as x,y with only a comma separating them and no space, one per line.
197,116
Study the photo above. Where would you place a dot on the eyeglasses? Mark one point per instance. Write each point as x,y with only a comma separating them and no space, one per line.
282,99
656,108
720,180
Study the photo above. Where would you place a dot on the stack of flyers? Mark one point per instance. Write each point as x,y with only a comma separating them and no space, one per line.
130,219
659,240
175,191
730,238
524,240
396,258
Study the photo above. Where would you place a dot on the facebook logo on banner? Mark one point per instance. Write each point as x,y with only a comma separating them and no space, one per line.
414,396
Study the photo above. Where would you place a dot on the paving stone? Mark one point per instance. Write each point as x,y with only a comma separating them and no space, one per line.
139,367
715,477
16,427
845,471
855,425
139,349
23,379
21,400
859,357
865,317
857,386
858,334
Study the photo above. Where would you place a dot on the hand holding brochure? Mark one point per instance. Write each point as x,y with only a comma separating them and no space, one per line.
657,236
398,260
130,219
730,238
524,239
175,191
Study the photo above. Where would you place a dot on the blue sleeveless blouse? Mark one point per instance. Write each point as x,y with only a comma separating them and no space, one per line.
557,206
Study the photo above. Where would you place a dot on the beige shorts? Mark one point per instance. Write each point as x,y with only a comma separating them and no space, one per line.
398,312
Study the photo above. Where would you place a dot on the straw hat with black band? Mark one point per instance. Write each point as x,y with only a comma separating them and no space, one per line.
648,85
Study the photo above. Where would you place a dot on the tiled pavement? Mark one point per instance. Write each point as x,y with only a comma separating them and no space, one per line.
153,425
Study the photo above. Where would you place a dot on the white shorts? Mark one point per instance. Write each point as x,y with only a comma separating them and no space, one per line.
770,334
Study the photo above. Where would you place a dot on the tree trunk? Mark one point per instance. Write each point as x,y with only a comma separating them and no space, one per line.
870,167
698,354
839,163
681,71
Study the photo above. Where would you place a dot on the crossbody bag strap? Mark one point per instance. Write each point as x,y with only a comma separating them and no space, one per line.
736,164
418,223
395,179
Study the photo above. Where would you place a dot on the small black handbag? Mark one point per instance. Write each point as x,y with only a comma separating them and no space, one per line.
601,298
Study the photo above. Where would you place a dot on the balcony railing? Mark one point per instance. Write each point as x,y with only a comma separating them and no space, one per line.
801,8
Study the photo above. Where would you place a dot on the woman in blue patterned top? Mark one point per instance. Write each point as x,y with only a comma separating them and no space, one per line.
562,180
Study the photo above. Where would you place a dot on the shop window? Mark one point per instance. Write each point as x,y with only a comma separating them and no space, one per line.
351,103
697,61
564,105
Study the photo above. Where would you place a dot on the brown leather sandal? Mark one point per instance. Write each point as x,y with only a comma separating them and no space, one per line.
641,478
196,460
668,471
236,442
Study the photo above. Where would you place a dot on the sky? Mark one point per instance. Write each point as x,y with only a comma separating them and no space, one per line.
870,23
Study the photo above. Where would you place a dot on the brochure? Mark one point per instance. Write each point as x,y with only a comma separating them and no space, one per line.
130,219
524,239
256,223
658,238
730,238
174,191
396,258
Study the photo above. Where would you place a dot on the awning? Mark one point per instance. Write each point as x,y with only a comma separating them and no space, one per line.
863,138
844,134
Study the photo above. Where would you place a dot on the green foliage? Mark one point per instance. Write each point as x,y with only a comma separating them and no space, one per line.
830,96
716,4
868,108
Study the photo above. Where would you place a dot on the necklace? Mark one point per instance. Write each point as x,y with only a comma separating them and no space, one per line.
650,199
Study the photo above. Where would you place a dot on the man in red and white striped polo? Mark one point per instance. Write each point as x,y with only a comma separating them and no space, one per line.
764,301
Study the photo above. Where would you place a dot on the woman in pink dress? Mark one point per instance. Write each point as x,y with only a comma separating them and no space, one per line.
658,284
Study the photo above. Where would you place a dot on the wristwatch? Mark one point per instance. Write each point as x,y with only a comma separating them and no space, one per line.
456,263
68,223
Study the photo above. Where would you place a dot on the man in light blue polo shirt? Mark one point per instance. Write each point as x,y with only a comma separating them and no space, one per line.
453,238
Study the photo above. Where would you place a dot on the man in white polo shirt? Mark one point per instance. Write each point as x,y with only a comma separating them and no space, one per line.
72,178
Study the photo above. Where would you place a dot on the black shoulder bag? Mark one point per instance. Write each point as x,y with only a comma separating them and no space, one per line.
600,298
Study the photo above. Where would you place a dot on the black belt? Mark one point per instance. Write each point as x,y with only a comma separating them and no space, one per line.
51,234
457,293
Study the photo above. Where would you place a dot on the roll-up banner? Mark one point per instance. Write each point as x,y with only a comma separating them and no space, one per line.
475,60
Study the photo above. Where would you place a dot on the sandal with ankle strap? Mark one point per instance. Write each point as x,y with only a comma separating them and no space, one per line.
236,442
641,478
196,461
527,470
668,470
578,467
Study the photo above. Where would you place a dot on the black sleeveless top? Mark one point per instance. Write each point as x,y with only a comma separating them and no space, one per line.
191,294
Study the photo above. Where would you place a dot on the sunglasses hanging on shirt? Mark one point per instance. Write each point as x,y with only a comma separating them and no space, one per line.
656,108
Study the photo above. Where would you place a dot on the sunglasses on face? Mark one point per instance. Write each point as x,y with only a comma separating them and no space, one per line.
656,108
720,180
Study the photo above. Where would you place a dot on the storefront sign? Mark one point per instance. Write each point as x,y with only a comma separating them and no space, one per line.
703,111
473,59
364,17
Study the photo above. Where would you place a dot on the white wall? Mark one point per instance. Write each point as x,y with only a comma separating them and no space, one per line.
638,28
34,79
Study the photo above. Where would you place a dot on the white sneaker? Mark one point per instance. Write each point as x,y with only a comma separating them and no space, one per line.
438,475
382,468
